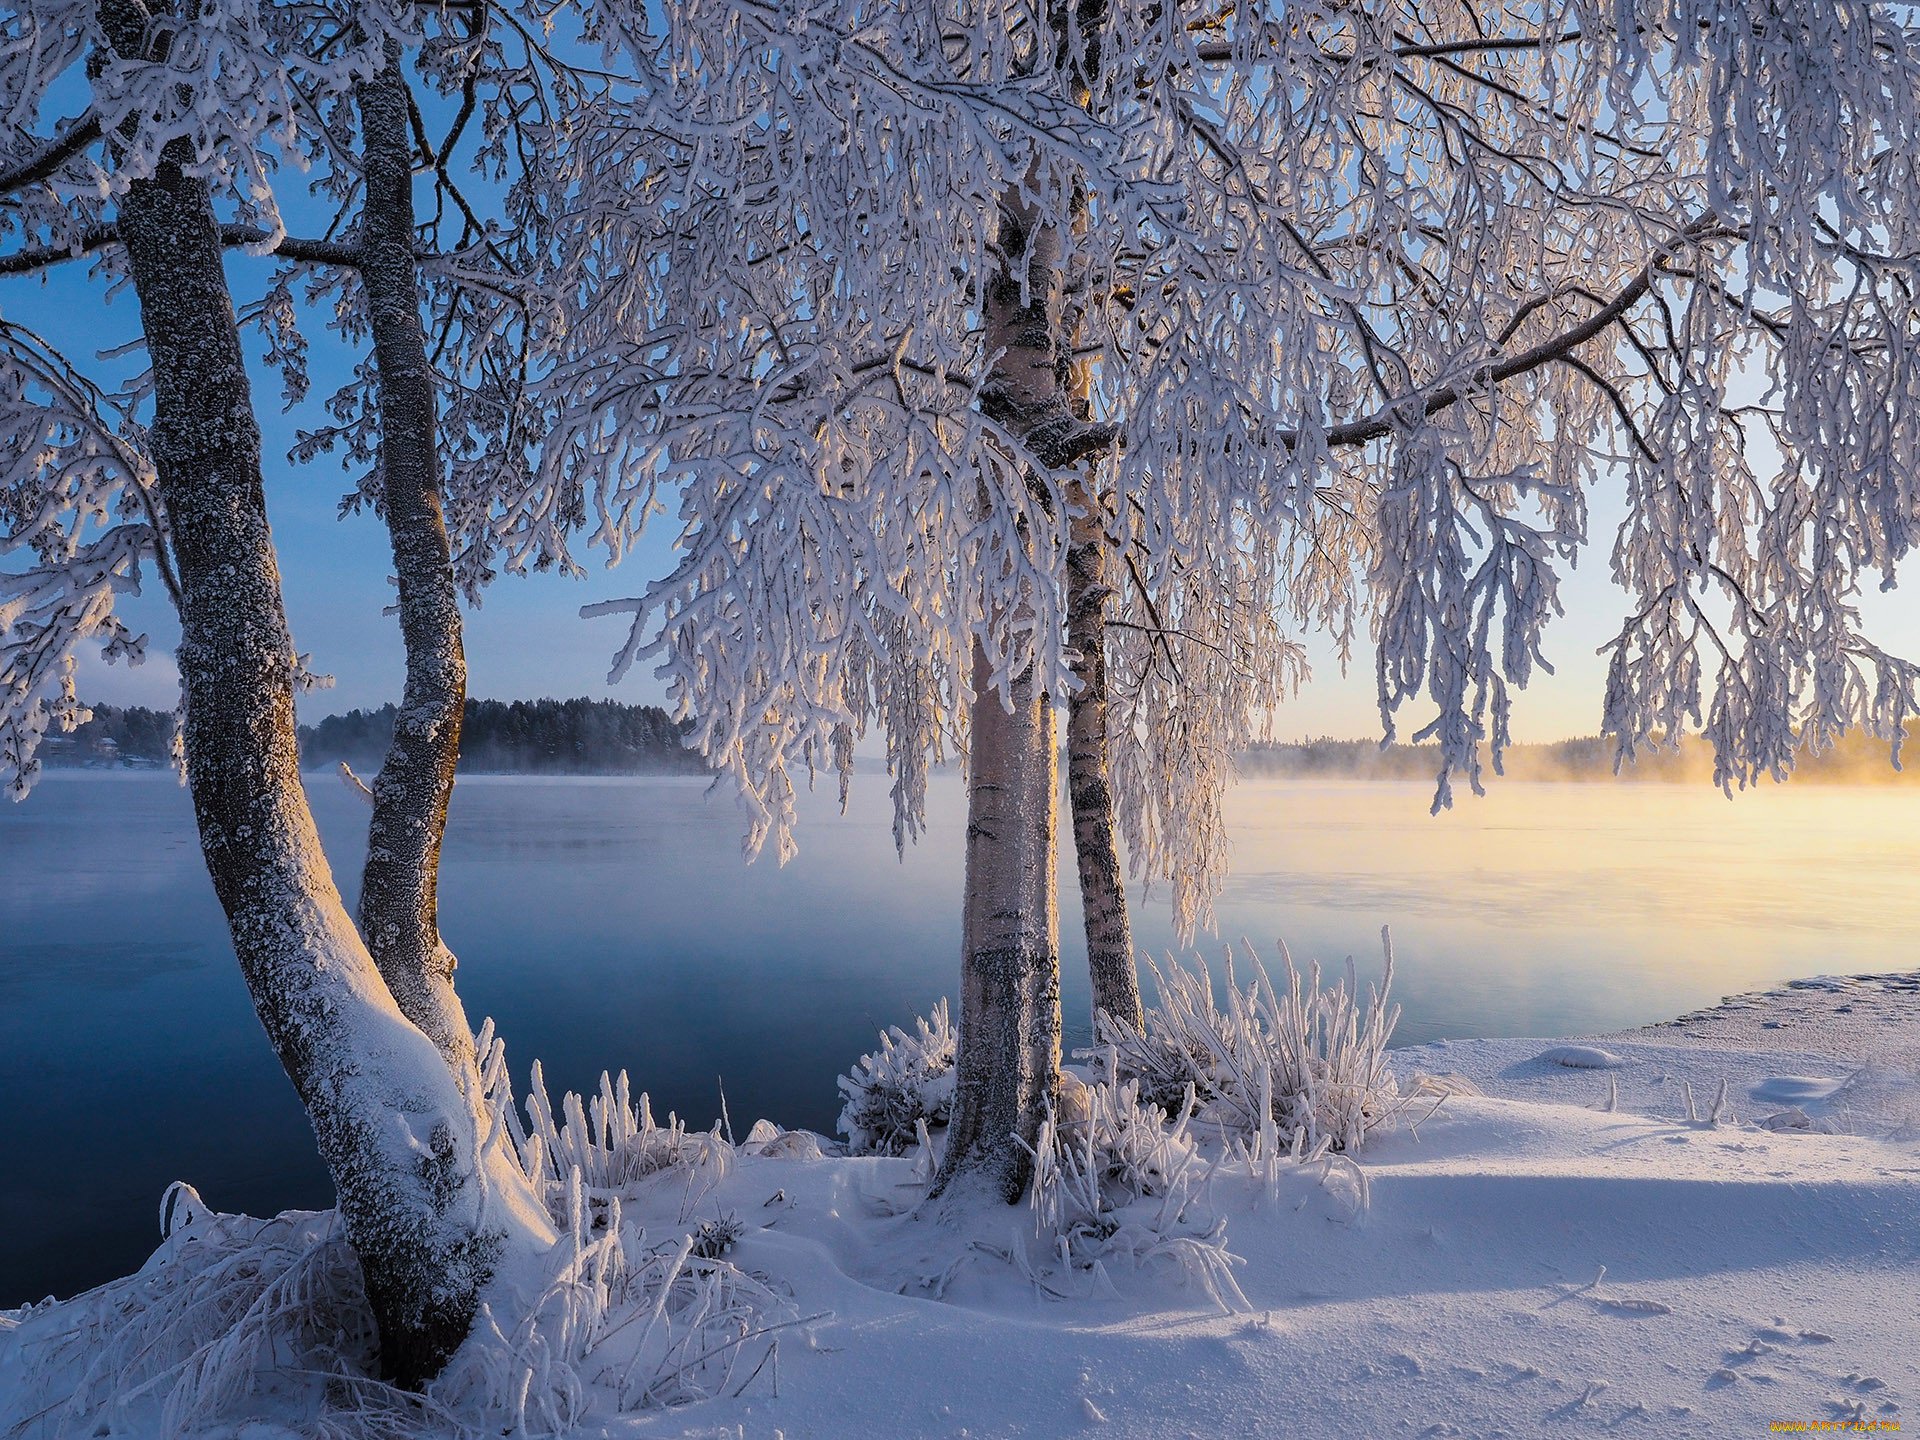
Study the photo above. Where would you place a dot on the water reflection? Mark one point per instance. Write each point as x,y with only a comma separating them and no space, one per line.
611,923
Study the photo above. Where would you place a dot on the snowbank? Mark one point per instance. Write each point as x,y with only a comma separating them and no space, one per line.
1525,1261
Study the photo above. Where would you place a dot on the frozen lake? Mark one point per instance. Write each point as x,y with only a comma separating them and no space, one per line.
611,922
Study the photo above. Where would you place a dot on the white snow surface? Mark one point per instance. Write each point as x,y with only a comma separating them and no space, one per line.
1527,1263
1582,1057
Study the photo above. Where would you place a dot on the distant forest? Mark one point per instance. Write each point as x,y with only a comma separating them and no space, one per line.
523,737
532,737
114,736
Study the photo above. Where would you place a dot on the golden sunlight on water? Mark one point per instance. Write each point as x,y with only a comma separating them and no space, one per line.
1612,902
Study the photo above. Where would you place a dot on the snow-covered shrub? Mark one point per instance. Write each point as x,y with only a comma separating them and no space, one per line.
1117,1181
890,1091
231,1317
1311,1060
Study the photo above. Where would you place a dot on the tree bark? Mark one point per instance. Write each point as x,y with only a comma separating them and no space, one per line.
1103,895
1008,1066
399,887
1008,1063
419,1201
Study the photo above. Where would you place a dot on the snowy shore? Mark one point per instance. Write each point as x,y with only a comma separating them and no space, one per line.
1517,1259
1528,1263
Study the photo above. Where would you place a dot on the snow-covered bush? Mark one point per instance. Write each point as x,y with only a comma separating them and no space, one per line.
890,1091
1115,1180
1311,1060
231,1316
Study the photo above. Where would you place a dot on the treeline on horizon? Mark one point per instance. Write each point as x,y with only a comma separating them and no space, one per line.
519,737
605,737
1858,759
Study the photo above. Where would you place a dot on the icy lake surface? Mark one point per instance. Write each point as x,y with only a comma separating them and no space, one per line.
610,923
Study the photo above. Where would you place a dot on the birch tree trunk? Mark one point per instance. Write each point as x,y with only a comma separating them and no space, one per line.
394,1128
1103,896
1009,1045
1008,1065
399,888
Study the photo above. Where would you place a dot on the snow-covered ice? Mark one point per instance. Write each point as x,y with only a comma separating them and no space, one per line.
1526,1263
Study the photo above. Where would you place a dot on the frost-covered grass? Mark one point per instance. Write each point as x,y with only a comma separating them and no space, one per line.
609,1142
1118,1182
1308,1059
894,1090
638,1299
635,1308
1276,1084
231,1314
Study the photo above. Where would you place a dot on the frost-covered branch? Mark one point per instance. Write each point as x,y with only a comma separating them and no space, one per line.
1381,291
77,507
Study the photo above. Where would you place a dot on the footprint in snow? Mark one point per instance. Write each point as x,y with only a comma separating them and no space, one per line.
1394,1367
1626,1305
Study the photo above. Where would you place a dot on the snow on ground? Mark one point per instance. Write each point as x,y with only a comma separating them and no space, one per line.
1526,1263
1843,1052
1748,1277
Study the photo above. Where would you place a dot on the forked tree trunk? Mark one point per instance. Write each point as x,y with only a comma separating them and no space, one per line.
399,888
394,1128
1103,895
1009,1044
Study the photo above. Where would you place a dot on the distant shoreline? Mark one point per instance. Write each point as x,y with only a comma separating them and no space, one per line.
1856,760
517,737
587,738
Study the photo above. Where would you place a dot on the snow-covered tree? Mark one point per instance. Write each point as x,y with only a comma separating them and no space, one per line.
463,269
985,345
398,901
430,1201
1331,313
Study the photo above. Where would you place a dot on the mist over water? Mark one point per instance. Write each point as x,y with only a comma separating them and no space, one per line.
611,922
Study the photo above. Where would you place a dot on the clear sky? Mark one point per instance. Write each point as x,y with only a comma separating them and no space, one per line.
527,639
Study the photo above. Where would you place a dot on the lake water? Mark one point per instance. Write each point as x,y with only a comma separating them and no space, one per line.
610,923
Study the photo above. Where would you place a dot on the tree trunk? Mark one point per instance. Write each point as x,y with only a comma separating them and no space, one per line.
420,1203
399,905
1009,1045
1103,896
